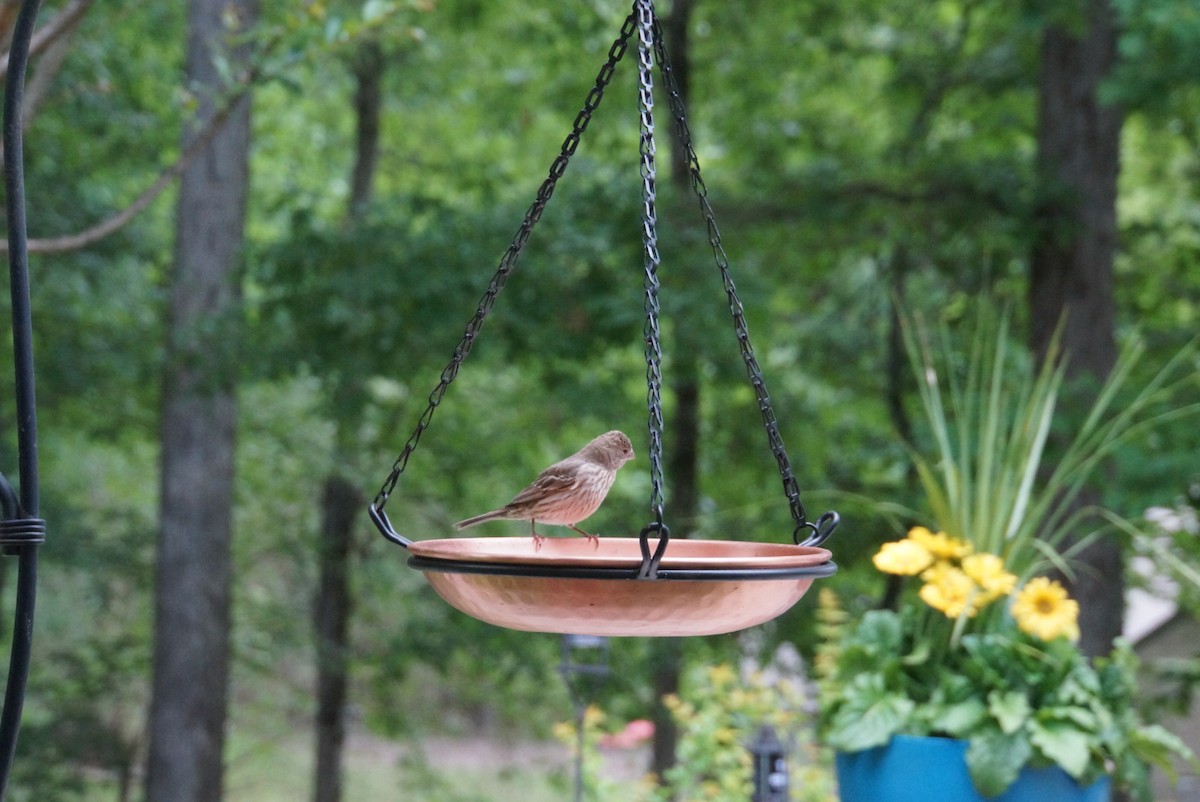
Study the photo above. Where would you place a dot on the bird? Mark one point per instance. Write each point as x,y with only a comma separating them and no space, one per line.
568,491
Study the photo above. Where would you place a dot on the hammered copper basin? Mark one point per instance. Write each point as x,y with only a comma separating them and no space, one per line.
704,587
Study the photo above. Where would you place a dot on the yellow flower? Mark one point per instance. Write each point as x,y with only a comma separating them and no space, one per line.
721,675
725,736
949,590
987,570
903,557
940,545
1043,609
593,716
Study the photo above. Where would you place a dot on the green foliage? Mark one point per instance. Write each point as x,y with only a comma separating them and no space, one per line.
850,147
719,713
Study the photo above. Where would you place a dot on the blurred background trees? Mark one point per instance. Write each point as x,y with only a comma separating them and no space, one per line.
858,154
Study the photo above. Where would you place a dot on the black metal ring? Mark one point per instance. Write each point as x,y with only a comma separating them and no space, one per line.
649,568
547,571
821,530
18,532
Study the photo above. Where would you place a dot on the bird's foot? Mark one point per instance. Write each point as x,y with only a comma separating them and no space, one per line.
593,539
538,540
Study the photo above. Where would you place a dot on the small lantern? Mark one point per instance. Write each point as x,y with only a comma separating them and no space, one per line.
770,767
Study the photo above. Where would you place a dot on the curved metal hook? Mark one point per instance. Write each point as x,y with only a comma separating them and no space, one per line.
385,527
649,567
821,530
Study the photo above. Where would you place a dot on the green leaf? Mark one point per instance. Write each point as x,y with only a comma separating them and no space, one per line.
1011,710
1064,744
870,716
960,720
882,629
994,760
1153,744
1080,717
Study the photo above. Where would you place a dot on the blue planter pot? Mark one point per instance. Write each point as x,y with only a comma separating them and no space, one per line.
912,769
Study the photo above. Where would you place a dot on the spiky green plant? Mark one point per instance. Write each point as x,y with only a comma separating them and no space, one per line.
991,420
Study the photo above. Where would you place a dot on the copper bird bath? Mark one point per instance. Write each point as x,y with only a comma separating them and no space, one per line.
702,587
648,585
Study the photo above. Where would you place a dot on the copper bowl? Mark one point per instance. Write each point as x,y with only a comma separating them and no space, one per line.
572,585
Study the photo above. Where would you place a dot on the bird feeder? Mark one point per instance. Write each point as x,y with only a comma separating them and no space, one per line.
647,585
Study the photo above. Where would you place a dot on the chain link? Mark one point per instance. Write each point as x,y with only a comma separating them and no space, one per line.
509,261
753,371
644,11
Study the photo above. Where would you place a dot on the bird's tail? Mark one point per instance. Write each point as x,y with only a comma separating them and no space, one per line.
478,519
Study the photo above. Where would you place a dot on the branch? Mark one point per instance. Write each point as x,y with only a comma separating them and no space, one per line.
238,94
116,222
62,22
38,84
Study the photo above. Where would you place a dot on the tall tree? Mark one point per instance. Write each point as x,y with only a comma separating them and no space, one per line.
1071,269
192,598
682,457
341,501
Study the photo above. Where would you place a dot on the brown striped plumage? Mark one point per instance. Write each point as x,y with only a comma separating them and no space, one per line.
568,491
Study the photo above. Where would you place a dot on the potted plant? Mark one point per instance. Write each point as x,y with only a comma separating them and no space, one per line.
978,667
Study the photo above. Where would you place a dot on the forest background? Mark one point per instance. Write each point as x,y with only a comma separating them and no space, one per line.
859,155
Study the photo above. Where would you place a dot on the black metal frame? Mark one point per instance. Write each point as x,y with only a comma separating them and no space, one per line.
21,531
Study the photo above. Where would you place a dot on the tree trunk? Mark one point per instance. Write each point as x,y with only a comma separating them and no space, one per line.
682,458
368,67
341,502
1071,270
192,597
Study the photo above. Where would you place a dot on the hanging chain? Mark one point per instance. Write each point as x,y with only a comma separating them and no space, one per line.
753,371
509,261
650,46
644,11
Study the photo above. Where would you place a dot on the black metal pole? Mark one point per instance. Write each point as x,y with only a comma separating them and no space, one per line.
18,257
26,536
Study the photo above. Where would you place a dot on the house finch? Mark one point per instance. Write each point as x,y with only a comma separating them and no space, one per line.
568,491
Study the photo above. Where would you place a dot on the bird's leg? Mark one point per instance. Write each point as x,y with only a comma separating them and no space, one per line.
537,539
593,539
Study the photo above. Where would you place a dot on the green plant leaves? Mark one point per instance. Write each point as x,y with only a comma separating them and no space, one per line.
870,715
1016,700
961,719
1011,710
1063,743
995,759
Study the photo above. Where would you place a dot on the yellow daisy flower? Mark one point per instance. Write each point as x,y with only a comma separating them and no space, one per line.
940,545
1043,609
987,570
949,590
903,557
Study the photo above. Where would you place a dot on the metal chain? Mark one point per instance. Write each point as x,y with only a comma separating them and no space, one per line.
509,260
753,371
644,11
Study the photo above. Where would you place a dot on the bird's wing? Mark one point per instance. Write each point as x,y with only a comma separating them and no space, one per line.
551,481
